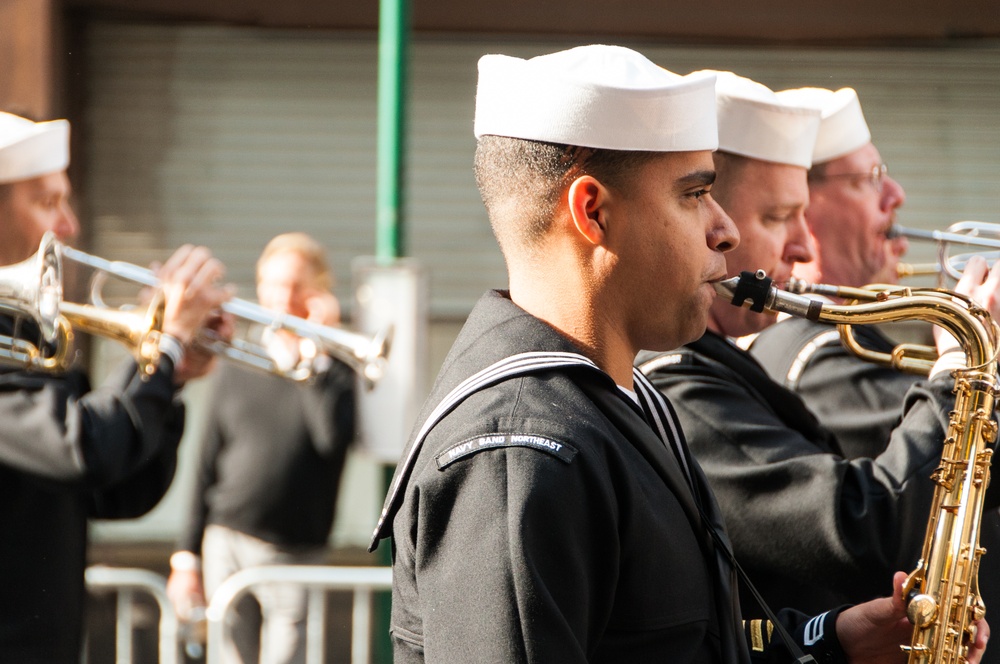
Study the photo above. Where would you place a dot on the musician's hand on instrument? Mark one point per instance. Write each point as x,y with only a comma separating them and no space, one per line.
982,284
874,631
323,308
197,360
978,647
191,280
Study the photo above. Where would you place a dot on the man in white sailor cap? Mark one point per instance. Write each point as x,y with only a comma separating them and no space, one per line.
853,202
802,516
34,188
68,453
546,508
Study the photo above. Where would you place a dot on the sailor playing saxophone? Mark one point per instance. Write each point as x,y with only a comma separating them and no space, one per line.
860,402
546,509
816,528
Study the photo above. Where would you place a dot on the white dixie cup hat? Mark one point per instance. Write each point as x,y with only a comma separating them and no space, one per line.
755,122
31,149
596,96
842,128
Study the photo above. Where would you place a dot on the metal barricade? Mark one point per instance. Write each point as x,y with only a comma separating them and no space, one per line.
319,579
126,582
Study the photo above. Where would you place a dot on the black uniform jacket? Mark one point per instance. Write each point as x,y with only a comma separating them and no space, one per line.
67,454
861,403
811,528
584,546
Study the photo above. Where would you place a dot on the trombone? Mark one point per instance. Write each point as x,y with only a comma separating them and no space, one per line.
366,355
978,234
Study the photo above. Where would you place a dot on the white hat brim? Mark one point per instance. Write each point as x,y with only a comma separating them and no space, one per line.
595,96
29,149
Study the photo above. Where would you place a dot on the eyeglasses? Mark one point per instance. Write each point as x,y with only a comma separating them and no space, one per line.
876,177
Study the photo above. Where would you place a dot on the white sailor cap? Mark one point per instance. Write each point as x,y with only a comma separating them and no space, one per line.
596,96
843,128
29,149
755,122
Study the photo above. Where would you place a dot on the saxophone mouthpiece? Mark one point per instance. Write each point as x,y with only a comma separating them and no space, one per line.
752,286
757,291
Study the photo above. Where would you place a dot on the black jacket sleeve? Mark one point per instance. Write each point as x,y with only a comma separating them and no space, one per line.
800,514
118,441
814,635
57,428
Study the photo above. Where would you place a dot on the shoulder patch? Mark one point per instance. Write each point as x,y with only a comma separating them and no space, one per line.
461,450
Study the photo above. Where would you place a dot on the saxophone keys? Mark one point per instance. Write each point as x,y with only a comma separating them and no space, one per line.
921,610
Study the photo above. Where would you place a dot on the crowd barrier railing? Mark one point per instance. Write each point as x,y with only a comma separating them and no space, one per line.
126,582
319,579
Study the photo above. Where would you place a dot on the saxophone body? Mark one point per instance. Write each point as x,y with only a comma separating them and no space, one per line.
943,599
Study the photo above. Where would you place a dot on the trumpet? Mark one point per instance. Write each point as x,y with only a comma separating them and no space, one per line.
137,331
367,356
978,234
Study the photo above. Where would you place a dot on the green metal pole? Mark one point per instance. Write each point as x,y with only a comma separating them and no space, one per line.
393,40
392,51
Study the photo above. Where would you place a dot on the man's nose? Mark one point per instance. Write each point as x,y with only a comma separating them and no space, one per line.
799,247
893,195
67,226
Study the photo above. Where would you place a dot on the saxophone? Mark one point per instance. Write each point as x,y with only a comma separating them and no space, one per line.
943,599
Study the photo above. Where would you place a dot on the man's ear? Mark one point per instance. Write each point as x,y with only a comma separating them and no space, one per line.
587,200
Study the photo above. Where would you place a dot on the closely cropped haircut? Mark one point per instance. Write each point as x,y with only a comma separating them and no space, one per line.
521,181
817,172
305,246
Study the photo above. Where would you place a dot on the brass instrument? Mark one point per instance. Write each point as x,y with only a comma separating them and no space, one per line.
978,234
910,358
33,289
365,355
138,332
943,598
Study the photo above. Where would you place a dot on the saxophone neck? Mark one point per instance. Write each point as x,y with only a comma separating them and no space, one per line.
969,323
756,291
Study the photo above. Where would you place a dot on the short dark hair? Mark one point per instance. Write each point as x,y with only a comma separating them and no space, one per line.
521,181
817,172
727,168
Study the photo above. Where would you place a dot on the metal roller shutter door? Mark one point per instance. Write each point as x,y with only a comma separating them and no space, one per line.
227,136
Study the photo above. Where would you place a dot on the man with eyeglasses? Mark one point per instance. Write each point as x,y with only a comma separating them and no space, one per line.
852,198
812,527
852,206
853,202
